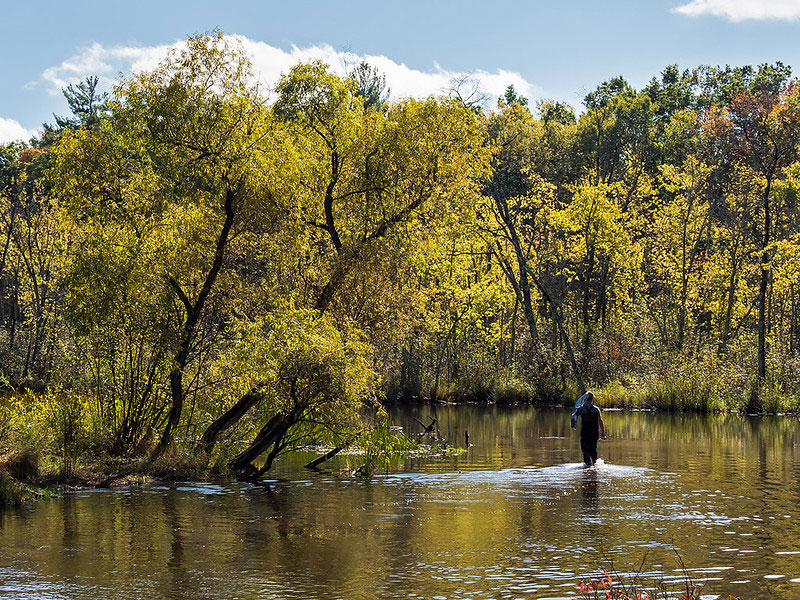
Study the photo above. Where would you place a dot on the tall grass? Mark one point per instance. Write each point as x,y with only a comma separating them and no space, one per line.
706,385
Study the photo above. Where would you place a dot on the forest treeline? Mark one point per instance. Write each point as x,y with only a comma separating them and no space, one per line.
196,259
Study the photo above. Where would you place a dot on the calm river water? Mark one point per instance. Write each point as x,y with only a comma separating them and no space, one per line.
514,517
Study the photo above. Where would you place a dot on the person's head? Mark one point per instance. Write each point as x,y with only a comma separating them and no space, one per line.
589,398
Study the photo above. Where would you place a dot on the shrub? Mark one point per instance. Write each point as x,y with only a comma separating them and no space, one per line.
66,424
10,492
24,465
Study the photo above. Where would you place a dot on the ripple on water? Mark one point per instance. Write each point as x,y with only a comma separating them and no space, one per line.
556,474
206,489
537,520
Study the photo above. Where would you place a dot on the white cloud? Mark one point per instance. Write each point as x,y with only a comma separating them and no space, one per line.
107,63
270,62
11,131
742,10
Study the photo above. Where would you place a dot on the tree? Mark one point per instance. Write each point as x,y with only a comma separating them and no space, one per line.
517,224
370,86
310,376
719,86
33,238
681,232
175,177
374,186
556,112
616,134
599,251
768,128
512,97
87,104
371,177
672,93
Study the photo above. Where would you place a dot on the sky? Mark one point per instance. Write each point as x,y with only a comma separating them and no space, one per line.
547,49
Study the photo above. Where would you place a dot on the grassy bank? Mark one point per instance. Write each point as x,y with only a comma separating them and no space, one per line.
61,441
11,492
58,441
708,385
17,488
679,392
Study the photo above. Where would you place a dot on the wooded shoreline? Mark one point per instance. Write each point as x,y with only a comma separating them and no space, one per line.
193,271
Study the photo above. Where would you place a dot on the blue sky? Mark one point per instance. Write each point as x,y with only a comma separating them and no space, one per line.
546,48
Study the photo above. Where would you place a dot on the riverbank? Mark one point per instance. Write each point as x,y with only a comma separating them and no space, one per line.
15,493
47,449
27,475
696,389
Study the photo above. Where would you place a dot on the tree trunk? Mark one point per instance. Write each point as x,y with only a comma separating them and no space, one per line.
228,419
266,437
513,340
762,288
193,312
521,287
565,335
441,351
570,354
587,280
321,459
731,293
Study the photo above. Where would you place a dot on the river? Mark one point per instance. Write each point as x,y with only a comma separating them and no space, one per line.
515,516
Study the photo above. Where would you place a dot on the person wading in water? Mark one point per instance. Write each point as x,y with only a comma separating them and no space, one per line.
592,428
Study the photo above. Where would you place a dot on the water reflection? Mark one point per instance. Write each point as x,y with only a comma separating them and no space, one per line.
515,516
589,488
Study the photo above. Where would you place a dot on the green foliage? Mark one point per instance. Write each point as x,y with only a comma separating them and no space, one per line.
381,444
316,98
10,492
512,97
673,93
370,86
294,356
720,85
65,418
87,104
185,261
556,112
607,92
52,428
